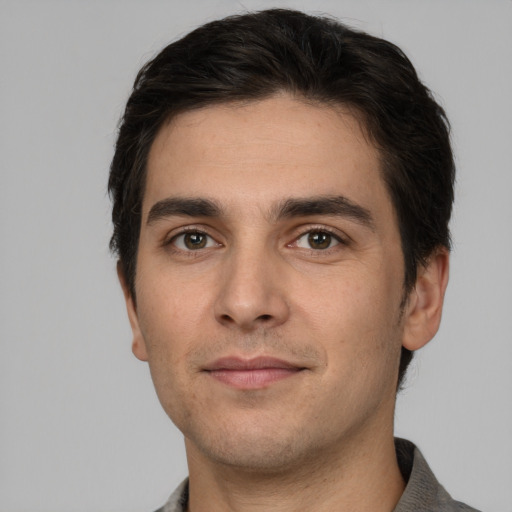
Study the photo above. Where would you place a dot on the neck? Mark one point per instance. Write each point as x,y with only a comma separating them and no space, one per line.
361,476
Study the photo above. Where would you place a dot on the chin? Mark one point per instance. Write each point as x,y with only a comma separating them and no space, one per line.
262,456
253,450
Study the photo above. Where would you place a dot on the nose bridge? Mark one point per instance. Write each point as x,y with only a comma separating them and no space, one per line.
251,293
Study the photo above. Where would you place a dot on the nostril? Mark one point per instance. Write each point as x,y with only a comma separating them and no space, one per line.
265,318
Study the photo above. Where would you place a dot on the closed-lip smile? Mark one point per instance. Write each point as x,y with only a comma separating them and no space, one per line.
255,373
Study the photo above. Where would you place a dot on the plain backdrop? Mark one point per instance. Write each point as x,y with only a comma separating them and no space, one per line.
81,429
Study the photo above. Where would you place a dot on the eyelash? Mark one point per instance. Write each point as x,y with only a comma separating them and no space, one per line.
170,243
343,241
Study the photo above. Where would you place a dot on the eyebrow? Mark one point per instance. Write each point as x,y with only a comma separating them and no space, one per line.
336,206
182,206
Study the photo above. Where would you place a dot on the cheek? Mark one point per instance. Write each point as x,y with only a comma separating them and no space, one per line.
170,301
171,316
355,318
168,323
348,299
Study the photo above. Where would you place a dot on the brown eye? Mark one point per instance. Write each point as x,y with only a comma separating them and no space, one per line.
317,240
193,241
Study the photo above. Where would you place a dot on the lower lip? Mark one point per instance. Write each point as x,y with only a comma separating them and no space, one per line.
253,379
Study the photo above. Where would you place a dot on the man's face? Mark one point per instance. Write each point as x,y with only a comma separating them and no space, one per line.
269,282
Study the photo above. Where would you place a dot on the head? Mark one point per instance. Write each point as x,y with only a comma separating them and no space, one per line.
253,57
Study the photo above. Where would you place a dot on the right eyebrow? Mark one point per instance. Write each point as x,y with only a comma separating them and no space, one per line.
182,206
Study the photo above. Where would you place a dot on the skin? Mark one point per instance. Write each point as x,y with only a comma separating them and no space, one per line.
256,284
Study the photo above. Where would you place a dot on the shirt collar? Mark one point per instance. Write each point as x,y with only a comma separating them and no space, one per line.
422,492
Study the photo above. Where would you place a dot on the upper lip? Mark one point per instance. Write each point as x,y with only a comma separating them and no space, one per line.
256,363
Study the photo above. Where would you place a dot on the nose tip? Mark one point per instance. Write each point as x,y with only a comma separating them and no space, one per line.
252,297
248,321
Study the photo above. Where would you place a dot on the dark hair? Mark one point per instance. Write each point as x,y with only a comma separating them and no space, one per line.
253,56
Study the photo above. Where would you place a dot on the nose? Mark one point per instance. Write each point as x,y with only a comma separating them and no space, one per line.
252,292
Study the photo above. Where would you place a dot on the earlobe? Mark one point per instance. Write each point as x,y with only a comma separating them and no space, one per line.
425,305
138,343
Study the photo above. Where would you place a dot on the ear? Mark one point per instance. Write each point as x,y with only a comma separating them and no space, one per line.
138,343
425,304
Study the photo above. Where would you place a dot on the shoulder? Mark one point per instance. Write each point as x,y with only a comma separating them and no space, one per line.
178,499
423,493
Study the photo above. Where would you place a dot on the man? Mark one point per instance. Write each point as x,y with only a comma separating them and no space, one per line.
282,188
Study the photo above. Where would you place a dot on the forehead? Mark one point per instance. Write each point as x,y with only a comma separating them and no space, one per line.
262,151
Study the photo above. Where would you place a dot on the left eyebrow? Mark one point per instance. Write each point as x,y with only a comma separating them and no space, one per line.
337,206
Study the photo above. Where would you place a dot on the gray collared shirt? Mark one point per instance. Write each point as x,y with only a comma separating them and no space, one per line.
423,493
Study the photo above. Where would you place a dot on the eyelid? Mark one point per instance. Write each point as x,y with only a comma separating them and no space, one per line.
304,241
183,230
300,231
340,236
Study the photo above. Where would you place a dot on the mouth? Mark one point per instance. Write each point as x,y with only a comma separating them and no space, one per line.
256,373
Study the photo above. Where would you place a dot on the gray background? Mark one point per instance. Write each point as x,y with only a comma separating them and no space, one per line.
80,427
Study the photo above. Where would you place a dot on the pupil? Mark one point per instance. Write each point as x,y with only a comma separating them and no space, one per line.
195,240
319,240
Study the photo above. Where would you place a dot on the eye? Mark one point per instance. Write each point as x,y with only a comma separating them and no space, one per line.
317,240
193,241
